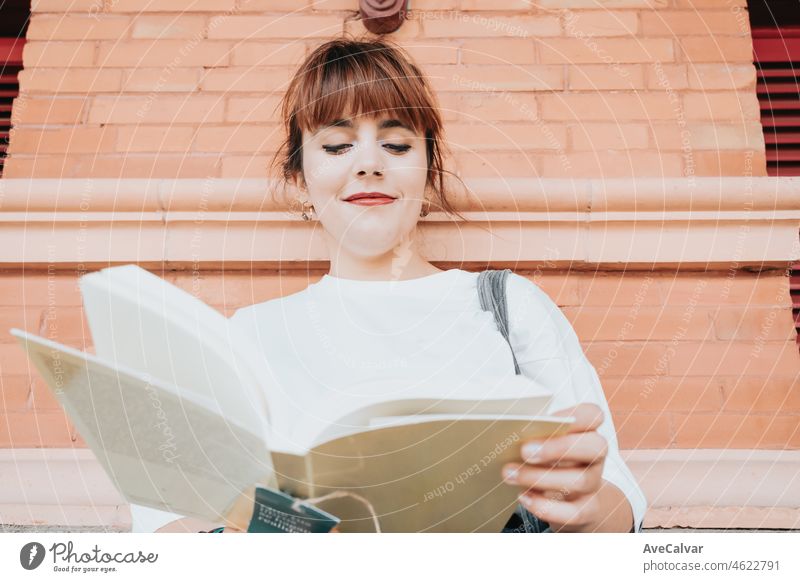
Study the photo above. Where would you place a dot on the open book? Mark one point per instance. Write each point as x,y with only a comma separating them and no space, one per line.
185,415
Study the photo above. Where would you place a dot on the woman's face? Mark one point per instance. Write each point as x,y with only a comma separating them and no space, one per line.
366,155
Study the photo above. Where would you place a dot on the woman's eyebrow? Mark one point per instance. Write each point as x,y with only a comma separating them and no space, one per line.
385,124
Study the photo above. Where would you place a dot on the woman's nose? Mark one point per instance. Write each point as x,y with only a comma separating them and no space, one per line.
368,160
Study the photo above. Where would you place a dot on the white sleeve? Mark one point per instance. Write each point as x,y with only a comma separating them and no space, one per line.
548,350
147,520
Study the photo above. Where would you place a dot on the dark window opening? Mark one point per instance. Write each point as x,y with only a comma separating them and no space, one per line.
776,55
14,17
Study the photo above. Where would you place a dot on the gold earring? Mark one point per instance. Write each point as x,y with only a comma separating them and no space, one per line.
426,209
307,209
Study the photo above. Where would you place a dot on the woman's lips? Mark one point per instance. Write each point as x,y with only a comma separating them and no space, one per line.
372,201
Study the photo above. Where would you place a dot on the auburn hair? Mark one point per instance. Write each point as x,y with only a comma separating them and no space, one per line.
361,77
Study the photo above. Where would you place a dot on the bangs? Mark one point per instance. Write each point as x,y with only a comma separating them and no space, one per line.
348,80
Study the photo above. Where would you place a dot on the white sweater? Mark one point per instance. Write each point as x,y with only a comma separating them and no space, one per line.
338,333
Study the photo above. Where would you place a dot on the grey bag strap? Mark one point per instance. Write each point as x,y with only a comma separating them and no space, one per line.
492,295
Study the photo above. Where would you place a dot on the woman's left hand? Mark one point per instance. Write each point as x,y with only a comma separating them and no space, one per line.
561,476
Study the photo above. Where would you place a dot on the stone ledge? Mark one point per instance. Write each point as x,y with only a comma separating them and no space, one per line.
696,488
648,223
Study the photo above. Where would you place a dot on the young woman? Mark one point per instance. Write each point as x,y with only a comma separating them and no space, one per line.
364,153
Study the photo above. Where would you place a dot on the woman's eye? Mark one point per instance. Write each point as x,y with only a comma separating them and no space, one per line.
400,148
335,149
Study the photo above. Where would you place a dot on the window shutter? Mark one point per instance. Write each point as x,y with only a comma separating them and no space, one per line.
10,66
776,52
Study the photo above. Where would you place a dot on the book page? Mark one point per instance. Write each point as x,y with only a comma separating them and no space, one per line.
142,322
162,447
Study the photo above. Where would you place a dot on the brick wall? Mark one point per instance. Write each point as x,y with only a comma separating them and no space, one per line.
187,89
687,361
180,88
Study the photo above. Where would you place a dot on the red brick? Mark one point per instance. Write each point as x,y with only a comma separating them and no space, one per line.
481,106
163,53
246,79
498,51
495,164
722,106
716,49
730,163
603,50
740,357
612,164
275,26
251,166
13,361
139,138
43,111
19,316
638,430
23,393
75,140
480,5
61,6
433,52
630,358
726,288
261,109
563,289
58,54
19,430
707,136
602,136
593,5
488,25
242,139
68,80
762,394
268,53
139,7
663,393
37,288
667,77
710,77
169,26
161,81
604,77
747,322
596,23
158,109
737,431
603,289
505,136
681,23
116,166
614,106
492,78
93,27
281,5
640,322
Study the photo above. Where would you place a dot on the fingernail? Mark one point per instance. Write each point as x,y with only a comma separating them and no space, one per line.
531,450
510,475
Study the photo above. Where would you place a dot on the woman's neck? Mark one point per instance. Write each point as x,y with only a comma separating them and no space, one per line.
390,267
